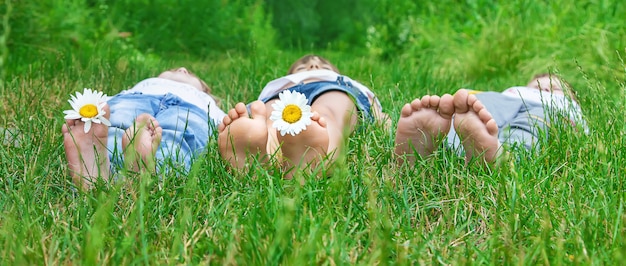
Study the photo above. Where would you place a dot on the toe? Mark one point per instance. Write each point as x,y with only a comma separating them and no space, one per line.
258,110
416,105
315,116
241,110
65,128
446,106
407,109
322,122
460,101
425,101
433,102
492,127
233,114
225,121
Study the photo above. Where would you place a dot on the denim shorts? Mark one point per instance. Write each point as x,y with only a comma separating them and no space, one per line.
186,127
315,89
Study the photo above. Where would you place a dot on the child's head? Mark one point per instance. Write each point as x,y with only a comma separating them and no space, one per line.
551,83
183,75
311,62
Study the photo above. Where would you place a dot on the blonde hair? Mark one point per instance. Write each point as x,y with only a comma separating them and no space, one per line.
567,88
205,88
305,59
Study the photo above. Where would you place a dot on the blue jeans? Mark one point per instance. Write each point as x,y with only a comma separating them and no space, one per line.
520,123
186,127
315,89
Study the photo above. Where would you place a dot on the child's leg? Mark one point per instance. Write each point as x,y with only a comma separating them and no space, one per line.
243,136
185,133
140,143
525,128
125,108
423,125
476,128
335,117
86,153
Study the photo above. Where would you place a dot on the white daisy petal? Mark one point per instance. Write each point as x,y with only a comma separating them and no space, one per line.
105,121
87,126
72,116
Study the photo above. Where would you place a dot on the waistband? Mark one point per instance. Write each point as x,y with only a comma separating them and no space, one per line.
313,90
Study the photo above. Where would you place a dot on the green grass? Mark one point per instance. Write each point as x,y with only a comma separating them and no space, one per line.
562,205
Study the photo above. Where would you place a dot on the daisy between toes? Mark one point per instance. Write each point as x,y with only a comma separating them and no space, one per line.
291,113
88,107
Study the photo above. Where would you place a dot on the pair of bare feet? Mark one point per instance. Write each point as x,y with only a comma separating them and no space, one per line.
245,136
425,123
87,153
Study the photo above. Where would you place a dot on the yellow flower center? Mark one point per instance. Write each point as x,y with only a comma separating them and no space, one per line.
292,113
88,111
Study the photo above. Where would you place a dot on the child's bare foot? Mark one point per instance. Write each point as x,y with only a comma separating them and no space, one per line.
423,125
242,137
140,143
86,153
306,149
476,128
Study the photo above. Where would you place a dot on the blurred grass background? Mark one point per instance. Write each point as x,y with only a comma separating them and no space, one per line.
563,206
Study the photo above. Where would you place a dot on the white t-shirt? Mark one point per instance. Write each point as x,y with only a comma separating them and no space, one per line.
279,84
190,94
551,100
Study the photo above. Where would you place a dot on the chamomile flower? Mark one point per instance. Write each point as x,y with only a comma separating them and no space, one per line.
88,107
291,113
